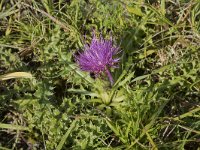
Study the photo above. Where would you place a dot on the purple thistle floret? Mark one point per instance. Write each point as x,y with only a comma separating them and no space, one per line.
98,57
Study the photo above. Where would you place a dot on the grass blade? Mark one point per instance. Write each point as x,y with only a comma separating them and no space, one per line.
16,75
65,136
13,127
190,113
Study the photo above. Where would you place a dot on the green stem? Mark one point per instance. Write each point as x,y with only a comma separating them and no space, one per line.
109,76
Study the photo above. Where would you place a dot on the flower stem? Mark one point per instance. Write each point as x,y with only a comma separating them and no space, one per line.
109,76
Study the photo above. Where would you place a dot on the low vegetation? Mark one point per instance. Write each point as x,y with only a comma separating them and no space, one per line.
48,102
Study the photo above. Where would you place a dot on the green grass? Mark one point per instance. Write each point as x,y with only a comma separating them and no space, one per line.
47,102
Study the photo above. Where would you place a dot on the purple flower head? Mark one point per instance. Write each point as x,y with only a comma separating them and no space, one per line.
98,57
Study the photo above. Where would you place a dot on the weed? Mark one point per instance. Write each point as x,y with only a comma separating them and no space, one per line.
47,102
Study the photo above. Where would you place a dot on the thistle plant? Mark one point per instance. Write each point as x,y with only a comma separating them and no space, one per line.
98,57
